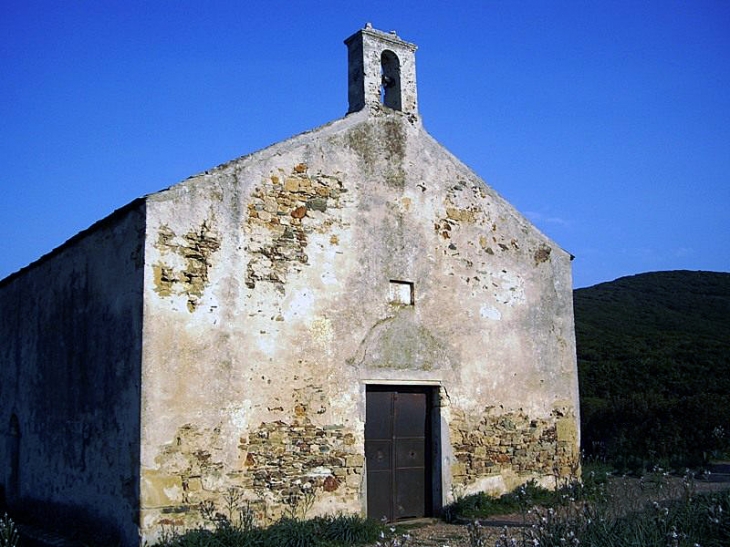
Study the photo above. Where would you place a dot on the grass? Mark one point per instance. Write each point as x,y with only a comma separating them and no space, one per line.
329,531
699,520
481,505
657,510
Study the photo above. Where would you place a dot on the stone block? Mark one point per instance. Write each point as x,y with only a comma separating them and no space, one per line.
566,430
291,184
194,484
355,461
160,490
354,481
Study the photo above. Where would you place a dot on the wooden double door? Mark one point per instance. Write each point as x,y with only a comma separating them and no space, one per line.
399,451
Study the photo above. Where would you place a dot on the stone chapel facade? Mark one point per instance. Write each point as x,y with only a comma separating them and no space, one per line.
348,321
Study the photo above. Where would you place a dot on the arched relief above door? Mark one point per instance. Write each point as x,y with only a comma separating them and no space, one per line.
400,342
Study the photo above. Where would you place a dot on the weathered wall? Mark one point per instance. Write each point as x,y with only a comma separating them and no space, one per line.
267,312
69,379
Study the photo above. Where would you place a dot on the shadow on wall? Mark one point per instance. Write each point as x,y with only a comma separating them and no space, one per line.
72,328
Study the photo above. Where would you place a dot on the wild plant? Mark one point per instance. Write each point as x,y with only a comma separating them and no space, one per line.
9,536
390,537
478,537
299,501
238,512
506,539
676,516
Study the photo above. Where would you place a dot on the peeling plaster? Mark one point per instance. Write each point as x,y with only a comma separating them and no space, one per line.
490,312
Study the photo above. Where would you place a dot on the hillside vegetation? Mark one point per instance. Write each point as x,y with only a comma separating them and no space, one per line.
654,368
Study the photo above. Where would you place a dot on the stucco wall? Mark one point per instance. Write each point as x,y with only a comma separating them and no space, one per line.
267,312
70,359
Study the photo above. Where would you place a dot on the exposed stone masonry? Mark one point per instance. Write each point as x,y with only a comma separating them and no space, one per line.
512,441
283,466
284,461
196,249
282,212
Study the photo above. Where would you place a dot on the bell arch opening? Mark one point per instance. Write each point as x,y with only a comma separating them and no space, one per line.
390,89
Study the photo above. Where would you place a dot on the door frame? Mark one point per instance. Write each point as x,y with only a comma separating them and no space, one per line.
434,484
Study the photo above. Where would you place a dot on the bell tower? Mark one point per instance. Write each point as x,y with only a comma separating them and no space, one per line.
381,71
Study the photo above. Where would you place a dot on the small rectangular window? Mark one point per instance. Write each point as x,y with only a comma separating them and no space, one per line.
401,292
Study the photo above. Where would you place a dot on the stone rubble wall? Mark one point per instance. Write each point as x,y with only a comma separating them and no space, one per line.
514,444
279,206
285,467
289,466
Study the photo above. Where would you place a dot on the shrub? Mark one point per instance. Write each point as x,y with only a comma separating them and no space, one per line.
350,529
482,505
474,506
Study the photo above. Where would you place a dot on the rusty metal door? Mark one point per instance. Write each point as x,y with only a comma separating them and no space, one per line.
397,449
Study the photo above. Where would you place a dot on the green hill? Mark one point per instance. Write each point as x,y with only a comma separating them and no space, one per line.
654,367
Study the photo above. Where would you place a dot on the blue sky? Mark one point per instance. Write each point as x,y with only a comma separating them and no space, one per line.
607,123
